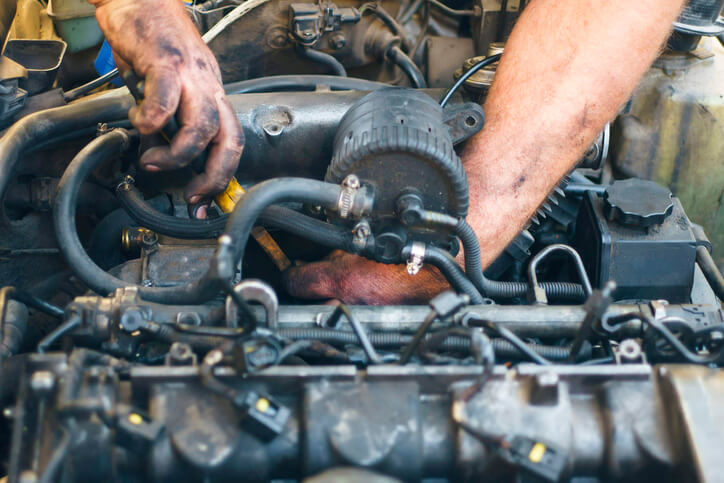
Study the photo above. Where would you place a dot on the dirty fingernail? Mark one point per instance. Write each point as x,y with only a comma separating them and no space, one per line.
201,212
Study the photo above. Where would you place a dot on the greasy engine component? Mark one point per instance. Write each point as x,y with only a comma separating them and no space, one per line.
290,37
100,418
306,123
395,140
146,345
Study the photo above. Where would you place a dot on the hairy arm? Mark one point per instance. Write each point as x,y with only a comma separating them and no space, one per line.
567,67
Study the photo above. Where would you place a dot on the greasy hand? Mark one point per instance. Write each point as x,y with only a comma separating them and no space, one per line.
358,281
158,40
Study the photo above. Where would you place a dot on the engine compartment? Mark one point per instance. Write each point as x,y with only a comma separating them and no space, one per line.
139,344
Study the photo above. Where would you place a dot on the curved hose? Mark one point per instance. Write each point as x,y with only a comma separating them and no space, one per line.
507,290
97,279
301,82
396,340
404,62
274,191
238,229
278,217
37,127
444,262
332,64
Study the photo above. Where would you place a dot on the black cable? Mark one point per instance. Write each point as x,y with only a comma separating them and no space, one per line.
417,338
461,80
80,91
39,304
40,126
452,272
278,217
451,11
396,341
659,325
322,58
303,82
364,340
65,328
506,290
400,59
389,21
710,270
472,319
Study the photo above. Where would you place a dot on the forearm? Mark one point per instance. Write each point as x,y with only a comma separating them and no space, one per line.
567,67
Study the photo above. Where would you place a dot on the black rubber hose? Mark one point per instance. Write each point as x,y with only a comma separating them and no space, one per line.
238,229
711,272
37,127
97,279
278,217
14,326
308,82
396,340
452,272
271,192
404,62
81,91
322,58
506,290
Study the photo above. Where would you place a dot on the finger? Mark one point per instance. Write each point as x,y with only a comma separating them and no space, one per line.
223,157
199,124
162,92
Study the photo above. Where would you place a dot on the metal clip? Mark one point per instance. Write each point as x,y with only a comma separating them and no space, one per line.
417,257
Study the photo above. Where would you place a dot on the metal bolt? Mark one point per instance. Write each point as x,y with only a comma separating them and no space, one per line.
417,257
362,230
351,181
629,350
337,41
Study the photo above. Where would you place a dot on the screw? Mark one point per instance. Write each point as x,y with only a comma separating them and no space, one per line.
351,181
362,230
337,41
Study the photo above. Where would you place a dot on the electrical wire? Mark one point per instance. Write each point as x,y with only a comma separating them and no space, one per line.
417,338
364,340
479,65
80,91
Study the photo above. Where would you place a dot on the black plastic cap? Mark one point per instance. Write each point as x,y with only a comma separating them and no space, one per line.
637,202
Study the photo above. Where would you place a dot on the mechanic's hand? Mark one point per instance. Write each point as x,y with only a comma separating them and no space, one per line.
359,281
159,41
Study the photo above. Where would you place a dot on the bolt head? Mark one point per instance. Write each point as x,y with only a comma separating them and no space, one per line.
351,181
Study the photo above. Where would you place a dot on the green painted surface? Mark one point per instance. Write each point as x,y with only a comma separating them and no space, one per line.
673,132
